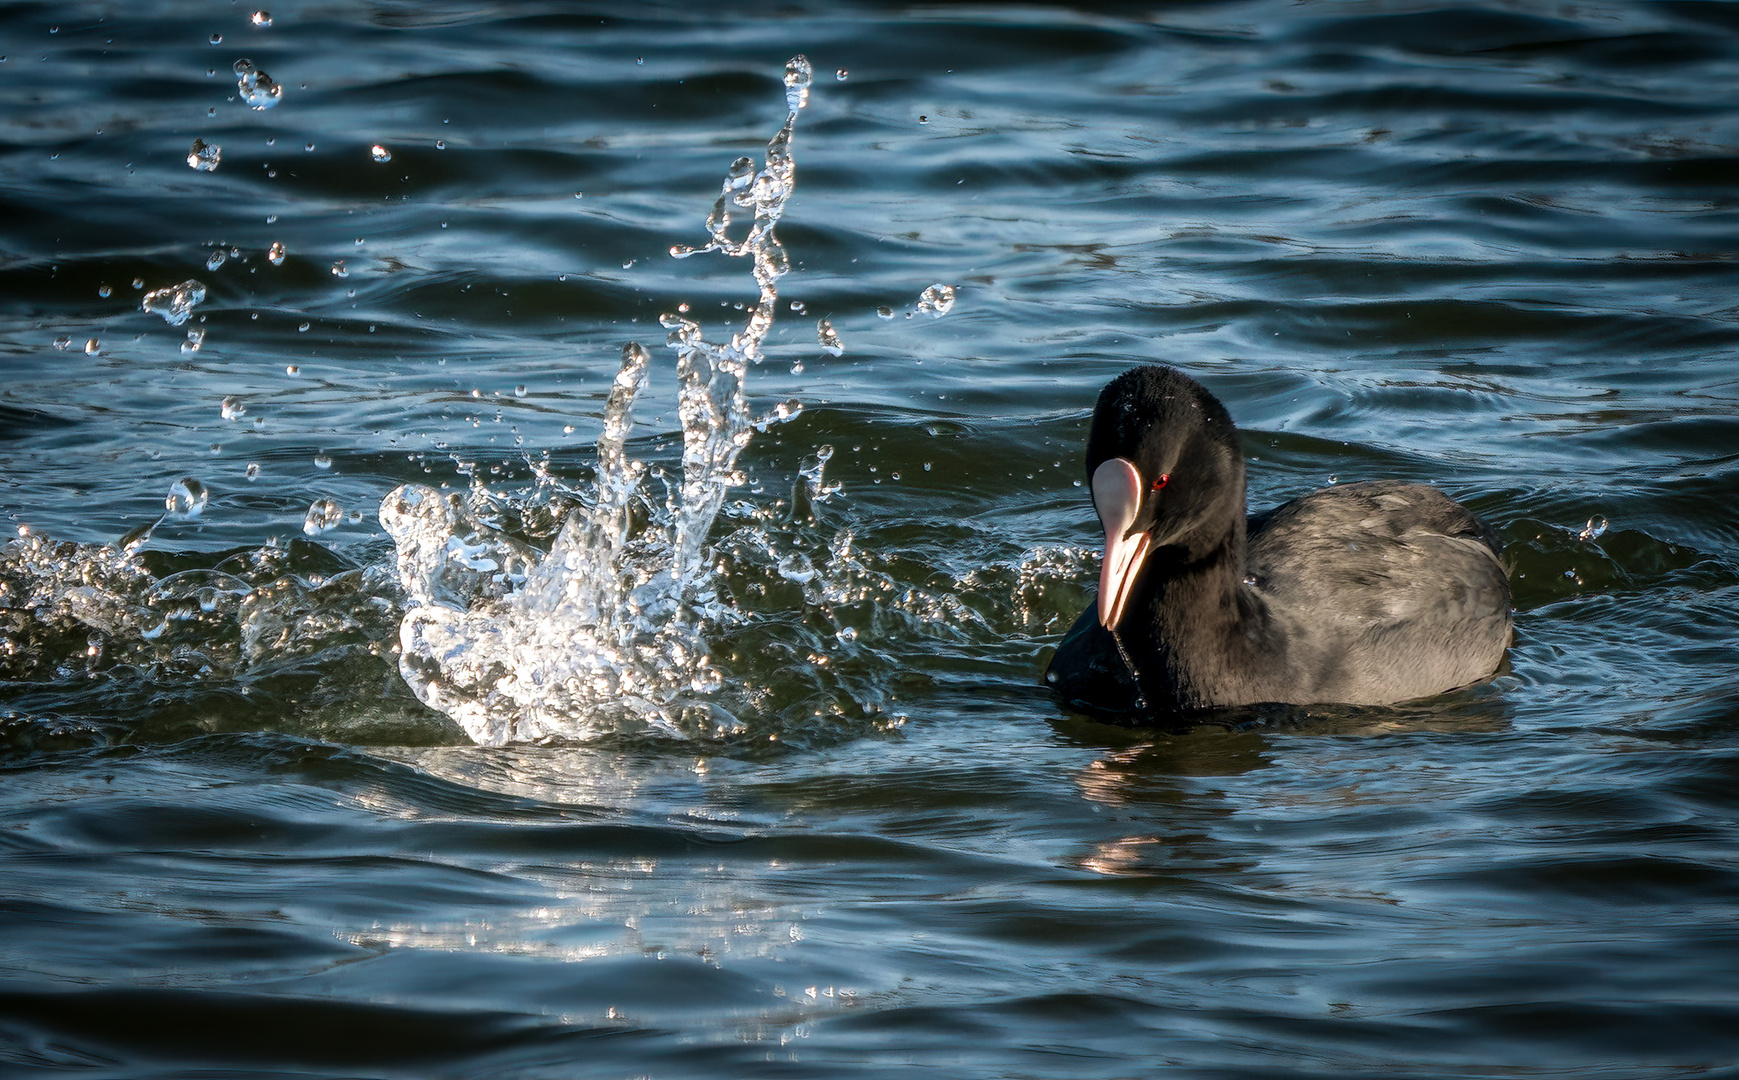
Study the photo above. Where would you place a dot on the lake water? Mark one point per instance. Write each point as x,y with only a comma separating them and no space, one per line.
808,812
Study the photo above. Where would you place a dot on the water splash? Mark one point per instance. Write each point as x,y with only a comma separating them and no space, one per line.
606,631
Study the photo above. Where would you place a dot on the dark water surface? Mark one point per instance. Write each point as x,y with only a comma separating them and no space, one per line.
1492,246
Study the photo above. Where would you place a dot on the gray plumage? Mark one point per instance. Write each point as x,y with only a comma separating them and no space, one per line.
1367,593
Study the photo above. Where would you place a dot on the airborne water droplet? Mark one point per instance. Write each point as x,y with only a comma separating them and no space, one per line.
323,515
937,300
275,256
827,339
232,407
175,303
204,156
104,291
261,18
1595,529
379,152
186,499
256,87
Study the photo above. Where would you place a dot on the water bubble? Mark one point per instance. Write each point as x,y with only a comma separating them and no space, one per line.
938,300
256,87
104,291
195,340
1594,530
253,471
322,461
323,515
338,269
797,567
261,18
846,634
842,74
232,407
275,255
799,73
63,343
186,499
175,303
204,156
827,339
380,153
216,259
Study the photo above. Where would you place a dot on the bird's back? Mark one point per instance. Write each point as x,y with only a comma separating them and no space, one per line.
1390,591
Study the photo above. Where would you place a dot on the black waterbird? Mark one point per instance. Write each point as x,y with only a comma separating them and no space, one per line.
1365,594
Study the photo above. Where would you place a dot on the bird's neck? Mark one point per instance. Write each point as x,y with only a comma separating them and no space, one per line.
1200,620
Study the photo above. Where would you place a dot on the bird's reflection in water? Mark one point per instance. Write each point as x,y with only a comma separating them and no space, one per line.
1162,783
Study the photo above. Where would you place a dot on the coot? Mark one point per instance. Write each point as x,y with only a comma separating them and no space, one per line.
1366,594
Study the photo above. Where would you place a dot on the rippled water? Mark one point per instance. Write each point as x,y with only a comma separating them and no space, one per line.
1490,246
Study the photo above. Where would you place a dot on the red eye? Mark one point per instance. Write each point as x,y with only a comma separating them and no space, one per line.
1164,478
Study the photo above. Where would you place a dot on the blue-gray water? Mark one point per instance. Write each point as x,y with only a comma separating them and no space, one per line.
1492,246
